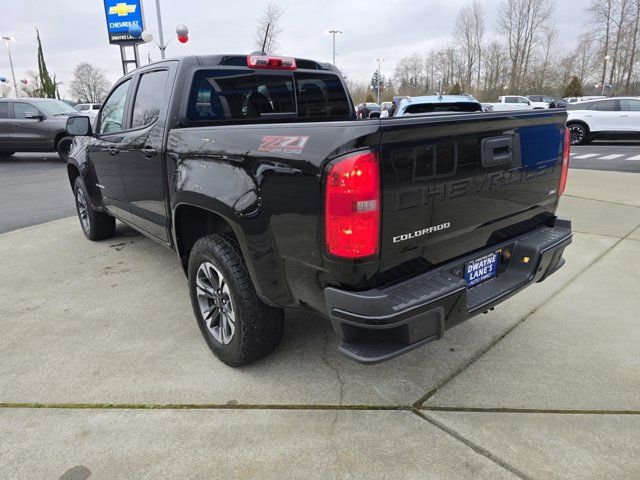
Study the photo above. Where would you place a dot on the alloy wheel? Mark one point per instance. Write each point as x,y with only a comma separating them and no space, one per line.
216,306
83,209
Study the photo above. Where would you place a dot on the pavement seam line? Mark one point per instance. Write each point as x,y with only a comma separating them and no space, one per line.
552,411
420,402
601,201
197,406
472,445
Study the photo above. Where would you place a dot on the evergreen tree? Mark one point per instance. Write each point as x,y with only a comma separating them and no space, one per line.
574,89
456,89
48,86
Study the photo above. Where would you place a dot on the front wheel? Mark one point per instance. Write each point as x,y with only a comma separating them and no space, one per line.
579,134
95,225
236,325
64,147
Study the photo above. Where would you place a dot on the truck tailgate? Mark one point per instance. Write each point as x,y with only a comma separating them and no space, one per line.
454,184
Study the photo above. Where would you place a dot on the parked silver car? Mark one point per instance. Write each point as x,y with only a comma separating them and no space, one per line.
34,125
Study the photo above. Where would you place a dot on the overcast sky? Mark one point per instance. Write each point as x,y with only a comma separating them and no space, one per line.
75,30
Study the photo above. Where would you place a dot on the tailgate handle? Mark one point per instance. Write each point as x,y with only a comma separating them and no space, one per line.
497,151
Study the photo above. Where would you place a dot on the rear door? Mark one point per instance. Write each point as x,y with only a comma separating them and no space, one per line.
6,127
141,157
456,183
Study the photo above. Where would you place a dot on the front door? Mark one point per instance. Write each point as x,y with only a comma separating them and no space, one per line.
603,116
629,115
142,159
105,151
30,134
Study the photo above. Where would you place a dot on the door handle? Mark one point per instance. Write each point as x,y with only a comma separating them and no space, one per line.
16,124
149,152
113,151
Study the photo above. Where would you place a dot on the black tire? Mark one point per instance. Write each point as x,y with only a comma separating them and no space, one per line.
579,133
95,225
6,154
257,328
63,147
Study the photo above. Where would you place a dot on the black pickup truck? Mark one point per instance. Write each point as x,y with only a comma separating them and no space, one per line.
256,172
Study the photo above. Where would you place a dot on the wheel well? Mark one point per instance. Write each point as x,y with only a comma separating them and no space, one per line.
73,173
579,122
193,223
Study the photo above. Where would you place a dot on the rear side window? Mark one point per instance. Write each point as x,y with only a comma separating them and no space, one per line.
4,110
604,106
82,108
149,98
241,95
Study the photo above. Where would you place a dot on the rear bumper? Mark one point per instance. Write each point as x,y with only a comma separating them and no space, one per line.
382,323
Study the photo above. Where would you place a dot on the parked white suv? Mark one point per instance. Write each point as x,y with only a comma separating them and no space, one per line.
89,109
611,117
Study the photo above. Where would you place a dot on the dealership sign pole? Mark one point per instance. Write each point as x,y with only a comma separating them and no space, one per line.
124,25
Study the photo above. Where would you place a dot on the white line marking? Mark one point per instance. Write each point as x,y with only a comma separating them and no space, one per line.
588,155
573,154
637,157
611,157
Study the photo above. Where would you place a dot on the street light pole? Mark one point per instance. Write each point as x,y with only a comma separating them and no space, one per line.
604,74
379,60
13,75
160,34
334,32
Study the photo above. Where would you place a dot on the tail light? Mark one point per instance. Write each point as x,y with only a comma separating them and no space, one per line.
352,206
271,63
566,152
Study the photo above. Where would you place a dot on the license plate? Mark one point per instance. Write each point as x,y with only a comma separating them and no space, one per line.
481,269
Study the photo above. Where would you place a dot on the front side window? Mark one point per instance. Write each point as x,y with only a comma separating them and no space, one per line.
523,100
149,97
112,118
510,100
20,110
82,108
630,105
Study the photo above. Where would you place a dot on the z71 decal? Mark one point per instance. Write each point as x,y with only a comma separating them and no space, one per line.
283,144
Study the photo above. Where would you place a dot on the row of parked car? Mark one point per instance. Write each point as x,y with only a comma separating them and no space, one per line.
589,118
39,125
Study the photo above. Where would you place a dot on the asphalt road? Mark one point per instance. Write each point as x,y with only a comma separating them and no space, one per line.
34,189
614,156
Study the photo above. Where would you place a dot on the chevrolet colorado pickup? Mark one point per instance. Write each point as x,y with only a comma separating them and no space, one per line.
254,170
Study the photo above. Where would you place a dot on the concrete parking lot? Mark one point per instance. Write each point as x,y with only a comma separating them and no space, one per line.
104,375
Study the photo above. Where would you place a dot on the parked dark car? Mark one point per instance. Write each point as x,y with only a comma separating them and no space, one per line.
34,125
255,172
369,110
554,102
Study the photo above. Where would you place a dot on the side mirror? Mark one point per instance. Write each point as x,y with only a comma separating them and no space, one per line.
34,116
79,126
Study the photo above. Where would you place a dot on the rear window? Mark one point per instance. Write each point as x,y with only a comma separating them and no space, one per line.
244,95
443,107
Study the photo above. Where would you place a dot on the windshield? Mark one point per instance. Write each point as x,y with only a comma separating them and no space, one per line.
55,107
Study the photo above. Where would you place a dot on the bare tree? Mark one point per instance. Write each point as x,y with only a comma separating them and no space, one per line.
520,22
269,28
495,66
468,32
409,75
89,84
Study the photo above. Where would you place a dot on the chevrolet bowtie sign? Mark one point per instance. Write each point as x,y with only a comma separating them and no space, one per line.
122,15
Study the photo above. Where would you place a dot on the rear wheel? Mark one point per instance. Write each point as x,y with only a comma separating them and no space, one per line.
237,326
95,225
6,154
579,133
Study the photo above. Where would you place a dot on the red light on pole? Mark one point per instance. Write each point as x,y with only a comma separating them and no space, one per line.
183,38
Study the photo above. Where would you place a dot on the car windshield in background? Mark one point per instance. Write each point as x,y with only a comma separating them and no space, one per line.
54,107
219,95
443,107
